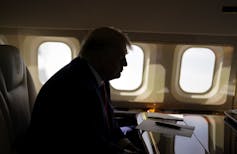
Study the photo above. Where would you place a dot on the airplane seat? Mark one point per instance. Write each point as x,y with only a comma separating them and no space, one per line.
17,96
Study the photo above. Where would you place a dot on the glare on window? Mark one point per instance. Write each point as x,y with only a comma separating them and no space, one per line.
196,71
51,57
131,76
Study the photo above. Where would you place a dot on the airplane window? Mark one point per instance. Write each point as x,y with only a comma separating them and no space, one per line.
197,68
131,76
51,57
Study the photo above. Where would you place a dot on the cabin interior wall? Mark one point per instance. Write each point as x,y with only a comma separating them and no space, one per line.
177,17
162,58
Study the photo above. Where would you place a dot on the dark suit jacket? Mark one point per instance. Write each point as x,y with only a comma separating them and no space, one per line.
69,115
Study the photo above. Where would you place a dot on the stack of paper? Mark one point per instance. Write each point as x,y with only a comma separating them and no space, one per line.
166,124
157,115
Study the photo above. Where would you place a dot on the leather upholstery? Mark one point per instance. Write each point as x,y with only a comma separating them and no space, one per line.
17,96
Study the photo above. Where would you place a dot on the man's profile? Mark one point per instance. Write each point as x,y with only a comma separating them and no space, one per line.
70,113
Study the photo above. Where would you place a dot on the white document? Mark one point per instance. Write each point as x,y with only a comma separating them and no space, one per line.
174,129
157,115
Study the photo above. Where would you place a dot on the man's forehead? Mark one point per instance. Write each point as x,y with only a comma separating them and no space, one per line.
124,48
120,48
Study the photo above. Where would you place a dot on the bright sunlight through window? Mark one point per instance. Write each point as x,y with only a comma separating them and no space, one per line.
51,57
197,68
131,76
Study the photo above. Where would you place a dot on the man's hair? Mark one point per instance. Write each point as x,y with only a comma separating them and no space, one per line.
103,38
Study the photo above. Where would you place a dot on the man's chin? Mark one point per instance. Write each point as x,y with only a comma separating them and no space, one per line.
116,76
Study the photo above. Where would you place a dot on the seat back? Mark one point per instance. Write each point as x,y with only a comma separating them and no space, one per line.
17,96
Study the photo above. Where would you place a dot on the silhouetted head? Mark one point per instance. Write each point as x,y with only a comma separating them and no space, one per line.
105,49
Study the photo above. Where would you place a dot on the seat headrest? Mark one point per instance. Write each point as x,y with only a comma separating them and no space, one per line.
11,66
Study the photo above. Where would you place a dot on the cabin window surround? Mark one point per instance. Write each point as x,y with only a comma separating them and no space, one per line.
217,94
3,40
32,42
52,56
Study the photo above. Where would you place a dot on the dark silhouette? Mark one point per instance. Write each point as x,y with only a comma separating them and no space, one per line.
72,112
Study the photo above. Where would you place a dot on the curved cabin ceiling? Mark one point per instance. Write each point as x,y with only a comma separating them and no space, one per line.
156,16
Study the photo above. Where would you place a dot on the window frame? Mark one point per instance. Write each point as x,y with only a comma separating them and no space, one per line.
213,94
39,45
213,71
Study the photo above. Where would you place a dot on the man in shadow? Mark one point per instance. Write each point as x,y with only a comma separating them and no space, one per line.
72,112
